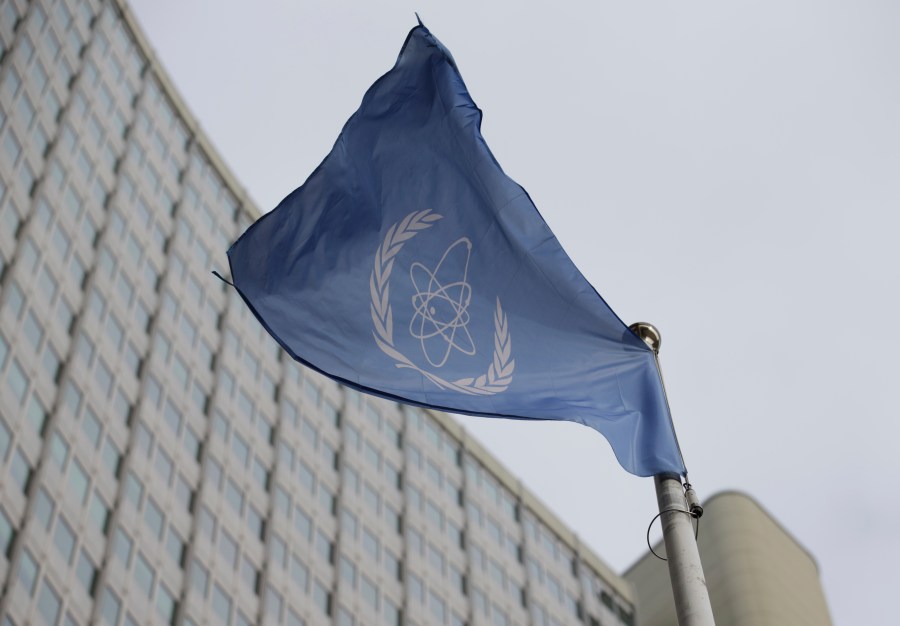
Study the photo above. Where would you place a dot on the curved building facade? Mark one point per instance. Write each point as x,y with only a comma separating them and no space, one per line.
161,460
757,573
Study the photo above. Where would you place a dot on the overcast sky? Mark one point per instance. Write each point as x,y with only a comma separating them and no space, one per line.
727,171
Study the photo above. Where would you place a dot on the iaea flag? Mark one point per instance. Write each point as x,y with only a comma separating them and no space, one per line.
410,266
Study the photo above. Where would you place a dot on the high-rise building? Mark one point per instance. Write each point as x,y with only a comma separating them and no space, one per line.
756,572
161,460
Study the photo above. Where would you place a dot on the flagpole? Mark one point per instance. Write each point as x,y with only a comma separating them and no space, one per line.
678,505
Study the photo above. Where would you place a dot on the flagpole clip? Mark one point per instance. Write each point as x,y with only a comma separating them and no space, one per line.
692,501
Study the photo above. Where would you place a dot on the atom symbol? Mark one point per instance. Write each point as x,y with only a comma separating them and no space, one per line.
441,311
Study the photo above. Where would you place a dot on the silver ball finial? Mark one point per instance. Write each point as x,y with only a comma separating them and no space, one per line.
648,333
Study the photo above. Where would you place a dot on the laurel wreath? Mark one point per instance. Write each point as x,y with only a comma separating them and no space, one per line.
499,373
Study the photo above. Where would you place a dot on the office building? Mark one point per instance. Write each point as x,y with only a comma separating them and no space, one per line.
756,572
161,460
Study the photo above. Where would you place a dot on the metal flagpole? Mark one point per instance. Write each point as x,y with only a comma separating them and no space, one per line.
678,505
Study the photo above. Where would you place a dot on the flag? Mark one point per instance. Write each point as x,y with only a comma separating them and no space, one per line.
409,266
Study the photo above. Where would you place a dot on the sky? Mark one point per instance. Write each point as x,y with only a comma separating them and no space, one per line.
729,172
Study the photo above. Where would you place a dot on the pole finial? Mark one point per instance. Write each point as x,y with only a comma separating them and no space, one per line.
648,333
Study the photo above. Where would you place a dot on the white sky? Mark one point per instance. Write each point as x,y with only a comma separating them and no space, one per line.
727,171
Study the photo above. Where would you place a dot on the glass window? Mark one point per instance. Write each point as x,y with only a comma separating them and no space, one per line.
221,604
111,457
64,539
416,588
199,577
348,524
112,606
173,417
324,547
164,466
20,470
153,517
322,597
207,523
134,489
348,571
234,496
5,435
228,549
144,575
17,381
59,450
249,574
274,603
99,513
302,522
175,546
48,603
166,604
392,564
27,571
86,572
122,547
299,572
43,508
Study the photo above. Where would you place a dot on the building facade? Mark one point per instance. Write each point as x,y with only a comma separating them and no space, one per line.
756,572
161,460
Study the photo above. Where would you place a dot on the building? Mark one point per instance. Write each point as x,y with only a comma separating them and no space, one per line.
757,573
161,461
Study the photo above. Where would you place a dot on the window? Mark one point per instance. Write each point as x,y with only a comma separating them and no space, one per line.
302,522
277,550
27,571
274,603
111,457
99,513
437,606
348,524
134,490
249,574
370,543
435,558
322,597
112,606
299,572
122,547
255,522
234,497
43,510
326,499
64,539
59,450
415,587
166,604
20,470
48,603
199,577
221,604
392,565
6,533
348,572
144,575
153,517
324,547
175,546
86,572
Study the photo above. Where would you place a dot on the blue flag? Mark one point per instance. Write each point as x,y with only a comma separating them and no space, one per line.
409,266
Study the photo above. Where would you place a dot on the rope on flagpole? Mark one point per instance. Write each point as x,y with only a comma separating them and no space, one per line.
677,510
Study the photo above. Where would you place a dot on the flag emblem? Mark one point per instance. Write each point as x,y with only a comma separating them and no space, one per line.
440,318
